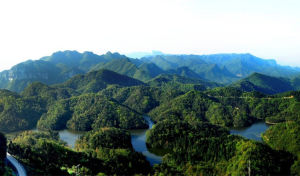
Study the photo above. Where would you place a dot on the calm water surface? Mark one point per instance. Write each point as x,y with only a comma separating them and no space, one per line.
70,136
252,132
138,140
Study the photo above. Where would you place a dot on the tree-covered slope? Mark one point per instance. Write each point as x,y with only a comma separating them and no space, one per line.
228,107
43,153
296,82
204,149
73,59
264,84
57,68
19,113
21,75
95,81
131,67
90,111
285,136
141,98
185,84
192,65
62,65
185,72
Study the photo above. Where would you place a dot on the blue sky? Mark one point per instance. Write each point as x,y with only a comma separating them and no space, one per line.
266,28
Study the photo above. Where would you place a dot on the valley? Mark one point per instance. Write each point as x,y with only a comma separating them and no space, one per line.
159,115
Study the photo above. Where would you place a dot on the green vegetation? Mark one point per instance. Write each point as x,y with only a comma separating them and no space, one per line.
296,82
204,149
43,154
222,68
170,82
169,135
285,136
264,84
90,111
97,80
128,67
113,138
192,114
46,94
57,68
228,107
197,106
27,72
17,112
114,147
141,98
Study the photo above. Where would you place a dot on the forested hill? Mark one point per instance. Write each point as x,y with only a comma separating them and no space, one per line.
57,68
220,68
265,84
192,119
95,81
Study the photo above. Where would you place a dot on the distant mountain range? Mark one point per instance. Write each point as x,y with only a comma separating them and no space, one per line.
222,69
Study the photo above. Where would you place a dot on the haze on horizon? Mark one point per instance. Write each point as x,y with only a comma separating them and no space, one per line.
265,28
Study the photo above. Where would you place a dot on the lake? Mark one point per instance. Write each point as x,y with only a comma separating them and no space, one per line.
252,132
138,138
138,141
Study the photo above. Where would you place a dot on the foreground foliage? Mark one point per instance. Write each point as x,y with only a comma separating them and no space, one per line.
43,154
285,136
203,150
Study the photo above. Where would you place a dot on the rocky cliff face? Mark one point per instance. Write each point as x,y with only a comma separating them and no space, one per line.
57,68
19,76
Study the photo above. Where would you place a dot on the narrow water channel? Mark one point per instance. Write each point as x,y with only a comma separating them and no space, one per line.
138,141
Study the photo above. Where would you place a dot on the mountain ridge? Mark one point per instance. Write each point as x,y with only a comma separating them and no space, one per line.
264,84
221,68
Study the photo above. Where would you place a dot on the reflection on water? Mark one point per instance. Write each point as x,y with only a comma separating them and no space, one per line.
70,136
252,132
138,141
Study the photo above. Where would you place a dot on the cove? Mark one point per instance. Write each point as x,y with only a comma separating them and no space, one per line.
138,141
252,132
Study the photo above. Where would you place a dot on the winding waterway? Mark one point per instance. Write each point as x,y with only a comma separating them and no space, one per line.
138,140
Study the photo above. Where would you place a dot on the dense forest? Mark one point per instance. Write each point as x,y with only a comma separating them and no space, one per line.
44,154
2,153
106,96
204,149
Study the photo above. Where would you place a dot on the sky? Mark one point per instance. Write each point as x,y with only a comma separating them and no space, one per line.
32,29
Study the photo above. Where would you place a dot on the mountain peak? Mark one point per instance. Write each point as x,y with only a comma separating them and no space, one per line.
264,83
